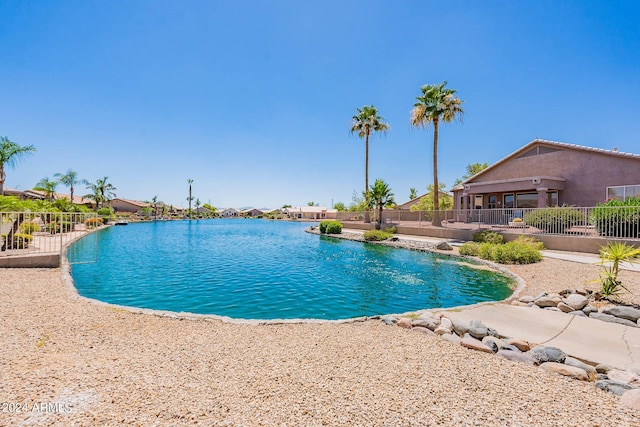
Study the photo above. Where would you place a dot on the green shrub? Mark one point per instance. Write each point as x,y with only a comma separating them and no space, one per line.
487,236
470,248
617,218
516,253
531,241
524,250
485,250
334,227
557,219
376,235
21,241
59,227
390,230
330,227
29,227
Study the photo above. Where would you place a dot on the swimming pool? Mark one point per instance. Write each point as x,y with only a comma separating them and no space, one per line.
260,269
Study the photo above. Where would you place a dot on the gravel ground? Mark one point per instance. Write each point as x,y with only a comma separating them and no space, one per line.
105,366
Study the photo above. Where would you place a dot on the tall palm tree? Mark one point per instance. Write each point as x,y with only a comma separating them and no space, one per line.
436,103
364,123
48,186
101,191
10,154
380,197
68,179
190,198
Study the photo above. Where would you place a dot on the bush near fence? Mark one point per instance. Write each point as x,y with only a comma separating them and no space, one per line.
617,218
557,219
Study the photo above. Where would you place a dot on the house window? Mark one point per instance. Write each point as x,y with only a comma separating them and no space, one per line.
527,200
623,192
552,198
492,201
477,201
507,201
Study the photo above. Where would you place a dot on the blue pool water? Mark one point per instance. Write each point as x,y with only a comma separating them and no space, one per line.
259,269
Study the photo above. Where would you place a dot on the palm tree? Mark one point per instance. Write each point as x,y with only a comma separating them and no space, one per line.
68,180
101,191
48,186
365,122
198,202
190,198
380,197
413,193
10,154
436,103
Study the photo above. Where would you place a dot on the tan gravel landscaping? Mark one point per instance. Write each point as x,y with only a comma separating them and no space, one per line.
92,364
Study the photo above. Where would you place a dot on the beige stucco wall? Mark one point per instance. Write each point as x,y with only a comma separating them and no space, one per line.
587,174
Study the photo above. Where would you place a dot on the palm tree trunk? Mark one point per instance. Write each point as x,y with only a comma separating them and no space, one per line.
436,187
367,218
2,178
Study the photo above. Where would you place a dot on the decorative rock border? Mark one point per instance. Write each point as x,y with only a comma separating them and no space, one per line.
477,336
578,303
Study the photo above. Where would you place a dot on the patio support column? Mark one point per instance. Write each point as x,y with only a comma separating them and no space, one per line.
465,207
542,197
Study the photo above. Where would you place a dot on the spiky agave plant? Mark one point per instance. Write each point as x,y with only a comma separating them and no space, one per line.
611,256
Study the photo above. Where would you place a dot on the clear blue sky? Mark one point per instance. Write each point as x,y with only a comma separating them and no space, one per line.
253,99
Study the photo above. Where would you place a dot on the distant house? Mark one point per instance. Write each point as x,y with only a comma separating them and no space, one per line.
408,205
547,173
229,212
41,195
312,212
125,205
251,212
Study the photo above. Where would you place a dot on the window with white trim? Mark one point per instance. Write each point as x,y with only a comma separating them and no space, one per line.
623,192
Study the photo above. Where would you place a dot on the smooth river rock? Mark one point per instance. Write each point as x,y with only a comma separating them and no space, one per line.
566,370
469,342
544,354
516,356
615,387
520,344
404,322
579,364
613,319
576,301
631,398
628,313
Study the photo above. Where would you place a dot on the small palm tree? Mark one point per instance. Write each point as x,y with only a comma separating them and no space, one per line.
364,123
413,193
48,186
68,179
10,154
101,191
197,206
436,103
380,196
610,258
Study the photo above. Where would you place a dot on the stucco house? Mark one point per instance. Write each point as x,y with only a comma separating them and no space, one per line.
125,205
229,212
251,212
547,173
312,212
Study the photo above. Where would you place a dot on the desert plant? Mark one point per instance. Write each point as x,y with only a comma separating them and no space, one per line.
556,219
391,229
515,253
93,222
617,218
21,241
330,227
376,235
470,248
334,227
29,227
488,236
531,241
611,256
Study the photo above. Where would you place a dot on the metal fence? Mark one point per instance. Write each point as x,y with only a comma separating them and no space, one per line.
602,221
40,233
